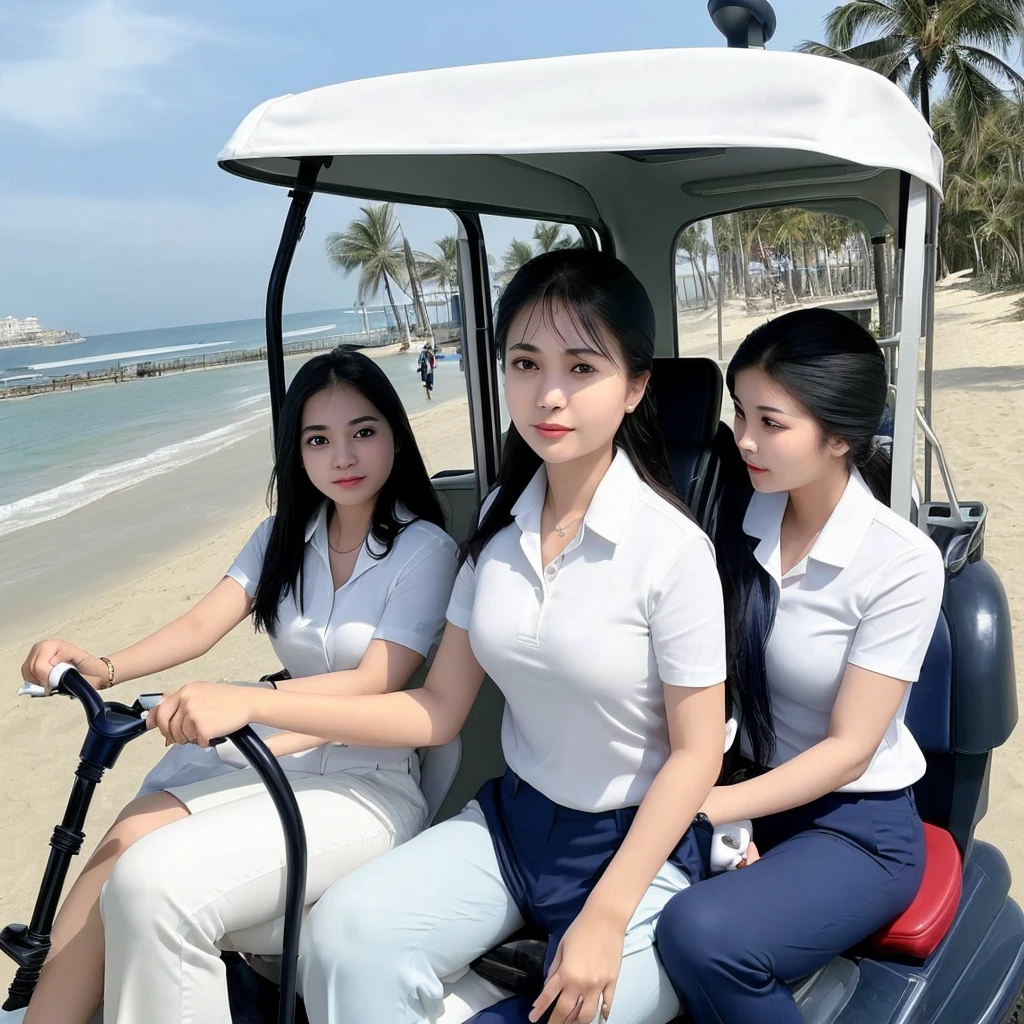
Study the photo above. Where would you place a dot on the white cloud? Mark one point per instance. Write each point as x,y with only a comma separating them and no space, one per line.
93,71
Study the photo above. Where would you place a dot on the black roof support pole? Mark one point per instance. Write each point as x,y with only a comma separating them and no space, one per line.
300,195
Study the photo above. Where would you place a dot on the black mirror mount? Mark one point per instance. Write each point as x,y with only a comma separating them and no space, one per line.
746,24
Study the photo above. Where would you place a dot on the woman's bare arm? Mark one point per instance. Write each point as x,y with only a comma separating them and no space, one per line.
865,707
429,716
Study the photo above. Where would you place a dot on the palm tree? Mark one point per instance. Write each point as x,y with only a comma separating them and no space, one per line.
690,242
413,276
917,40
517,254
442,268
372,246
983,222
549,237
806,229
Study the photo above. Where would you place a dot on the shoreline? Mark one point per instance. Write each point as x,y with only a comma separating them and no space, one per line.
135,530
142,369
374,352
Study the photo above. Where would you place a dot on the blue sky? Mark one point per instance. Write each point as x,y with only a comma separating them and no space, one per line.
113,213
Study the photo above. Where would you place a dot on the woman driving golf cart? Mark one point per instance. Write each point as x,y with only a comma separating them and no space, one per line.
349,578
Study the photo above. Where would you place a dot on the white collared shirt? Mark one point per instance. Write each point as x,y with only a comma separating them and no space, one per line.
580,648
400,598
867,594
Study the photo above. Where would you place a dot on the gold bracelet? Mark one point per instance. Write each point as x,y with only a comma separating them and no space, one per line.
110,673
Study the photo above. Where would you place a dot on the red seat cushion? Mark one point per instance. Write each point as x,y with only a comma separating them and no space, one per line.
923,925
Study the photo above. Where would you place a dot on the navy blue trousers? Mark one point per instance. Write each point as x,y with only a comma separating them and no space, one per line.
551,857
830,875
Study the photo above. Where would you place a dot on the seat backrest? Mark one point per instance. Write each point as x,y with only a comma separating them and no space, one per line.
964,703
456,490
688,394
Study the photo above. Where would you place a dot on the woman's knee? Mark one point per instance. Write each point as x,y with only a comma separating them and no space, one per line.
136,821
697,930
147,874
143,815
346,930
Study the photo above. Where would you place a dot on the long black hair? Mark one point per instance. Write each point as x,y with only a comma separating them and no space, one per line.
295,498
595,290
836,371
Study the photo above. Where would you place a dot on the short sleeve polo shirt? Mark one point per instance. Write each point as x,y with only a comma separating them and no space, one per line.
581,647
867,594
400,597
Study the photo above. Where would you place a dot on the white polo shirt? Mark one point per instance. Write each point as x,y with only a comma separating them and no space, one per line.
867,594
580,648
400,597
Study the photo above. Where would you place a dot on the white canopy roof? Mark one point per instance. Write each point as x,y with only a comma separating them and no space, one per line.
541,136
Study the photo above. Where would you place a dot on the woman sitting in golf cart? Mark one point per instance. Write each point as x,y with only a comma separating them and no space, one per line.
350,579
592,599
831,602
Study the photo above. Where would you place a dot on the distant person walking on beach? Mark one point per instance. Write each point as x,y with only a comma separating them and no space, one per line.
350,578
425,367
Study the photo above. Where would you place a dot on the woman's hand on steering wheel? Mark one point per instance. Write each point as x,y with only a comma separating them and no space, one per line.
47,653
200,712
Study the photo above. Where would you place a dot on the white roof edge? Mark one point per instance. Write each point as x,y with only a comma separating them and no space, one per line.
607,102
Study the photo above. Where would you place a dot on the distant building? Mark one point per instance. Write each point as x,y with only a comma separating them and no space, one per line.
13,329
27,331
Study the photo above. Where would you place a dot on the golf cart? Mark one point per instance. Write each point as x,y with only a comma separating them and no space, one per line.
629,149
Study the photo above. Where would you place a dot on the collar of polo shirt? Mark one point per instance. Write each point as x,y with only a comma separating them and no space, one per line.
839,538
371,551
610,511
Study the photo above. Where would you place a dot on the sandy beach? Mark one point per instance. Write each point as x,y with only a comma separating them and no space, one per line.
979,380
40,740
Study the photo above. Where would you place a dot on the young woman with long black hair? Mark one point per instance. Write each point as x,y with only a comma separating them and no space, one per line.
591,598
350,579
831,602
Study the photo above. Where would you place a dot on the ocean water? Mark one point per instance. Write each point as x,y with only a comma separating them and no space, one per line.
63,451
105,350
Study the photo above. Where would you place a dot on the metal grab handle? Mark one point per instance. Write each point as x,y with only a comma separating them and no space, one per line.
940,457
280,790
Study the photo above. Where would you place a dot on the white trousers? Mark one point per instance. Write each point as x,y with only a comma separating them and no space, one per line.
379,944
176,893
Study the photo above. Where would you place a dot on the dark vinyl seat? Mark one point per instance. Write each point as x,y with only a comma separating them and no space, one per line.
688,395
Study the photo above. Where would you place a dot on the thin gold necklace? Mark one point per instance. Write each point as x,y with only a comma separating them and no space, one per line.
560,530
344,551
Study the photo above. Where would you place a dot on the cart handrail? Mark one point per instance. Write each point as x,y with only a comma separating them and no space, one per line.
940,458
